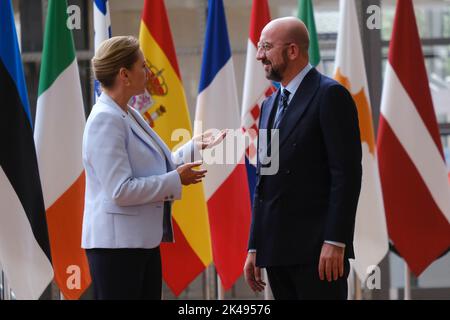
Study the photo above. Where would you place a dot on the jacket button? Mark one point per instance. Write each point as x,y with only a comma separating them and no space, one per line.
288,171
294,144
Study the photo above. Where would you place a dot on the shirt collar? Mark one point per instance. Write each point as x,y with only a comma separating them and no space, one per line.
293,85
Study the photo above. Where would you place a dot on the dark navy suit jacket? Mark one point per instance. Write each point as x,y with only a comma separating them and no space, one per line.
313,197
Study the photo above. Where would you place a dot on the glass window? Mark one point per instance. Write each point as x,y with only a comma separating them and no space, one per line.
433,18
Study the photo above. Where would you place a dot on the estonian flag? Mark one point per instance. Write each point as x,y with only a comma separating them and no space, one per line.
24,245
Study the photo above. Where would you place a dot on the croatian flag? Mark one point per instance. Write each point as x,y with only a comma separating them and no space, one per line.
256,88
226,186
102,31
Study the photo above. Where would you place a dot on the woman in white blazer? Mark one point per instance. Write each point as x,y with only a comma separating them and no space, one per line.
132,179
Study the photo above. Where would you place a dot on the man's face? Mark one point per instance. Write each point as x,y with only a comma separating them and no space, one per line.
273,55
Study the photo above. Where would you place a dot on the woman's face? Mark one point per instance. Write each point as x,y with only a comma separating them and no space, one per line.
137,76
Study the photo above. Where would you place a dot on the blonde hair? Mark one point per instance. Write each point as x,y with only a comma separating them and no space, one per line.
113,54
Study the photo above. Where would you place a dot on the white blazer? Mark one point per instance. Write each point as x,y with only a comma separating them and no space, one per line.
128,180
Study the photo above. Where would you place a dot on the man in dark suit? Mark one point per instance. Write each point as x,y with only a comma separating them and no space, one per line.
304,215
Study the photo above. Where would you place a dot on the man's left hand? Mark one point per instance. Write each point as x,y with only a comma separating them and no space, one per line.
331,263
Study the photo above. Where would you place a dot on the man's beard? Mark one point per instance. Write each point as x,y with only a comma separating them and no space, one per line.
275,73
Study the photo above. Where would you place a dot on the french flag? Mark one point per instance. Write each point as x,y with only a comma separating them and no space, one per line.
226,188
256,88
102,31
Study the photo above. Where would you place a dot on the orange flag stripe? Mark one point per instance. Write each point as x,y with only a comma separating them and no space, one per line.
64,227
364,112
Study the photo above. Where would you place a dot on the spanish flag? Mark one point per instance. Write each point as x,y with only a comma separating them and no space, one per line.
185,259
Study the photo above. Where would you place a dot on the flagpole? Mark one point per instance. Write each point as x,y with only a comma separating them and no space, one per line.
220,289
267,289
209,282
2,291
6,289
357,282
407,290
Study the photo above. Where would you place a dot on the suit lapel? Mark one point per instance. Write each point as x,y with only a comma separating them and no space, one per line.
296,109
299,104
267,110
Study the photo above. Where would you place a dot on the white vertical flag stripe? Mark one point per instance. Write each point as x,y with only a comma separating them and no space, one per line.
400,113
371,239
58,142
27,268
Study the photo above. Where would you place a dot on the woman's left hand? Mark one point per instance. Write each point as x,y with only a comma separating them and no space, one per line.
207,140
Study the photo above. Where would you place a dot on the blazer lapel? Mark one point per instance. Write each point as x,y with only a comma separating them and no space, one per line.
152,133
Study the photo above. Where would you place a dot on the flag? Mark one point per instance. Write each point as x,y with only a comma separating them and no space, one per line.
226,187
102,31
371,240
24,246
185,259
306,14
58,137
413,174
256,89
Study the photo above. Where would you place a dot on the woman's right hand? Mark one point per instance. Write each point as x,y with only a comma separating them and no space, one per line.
190,176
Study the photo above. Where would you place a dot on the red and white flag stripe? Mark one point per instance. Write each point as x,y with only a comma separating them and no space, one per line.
416,190
256,86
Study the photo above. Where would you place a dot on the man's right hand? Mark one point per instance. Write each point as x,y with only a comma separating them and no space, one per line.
190,176
252,273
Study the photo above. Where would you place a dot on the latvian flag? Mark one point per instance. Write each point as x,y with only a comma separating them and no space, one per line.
226,187
412,167
24,245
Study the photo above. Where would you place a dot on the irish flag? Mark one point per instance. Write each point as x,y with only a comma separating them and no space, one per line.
58,136
306,14
416,190
226,186
191,253
256,88
371,239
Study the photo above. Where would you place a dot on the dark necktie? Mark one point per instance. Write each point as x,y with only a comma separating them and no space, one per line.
282,106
